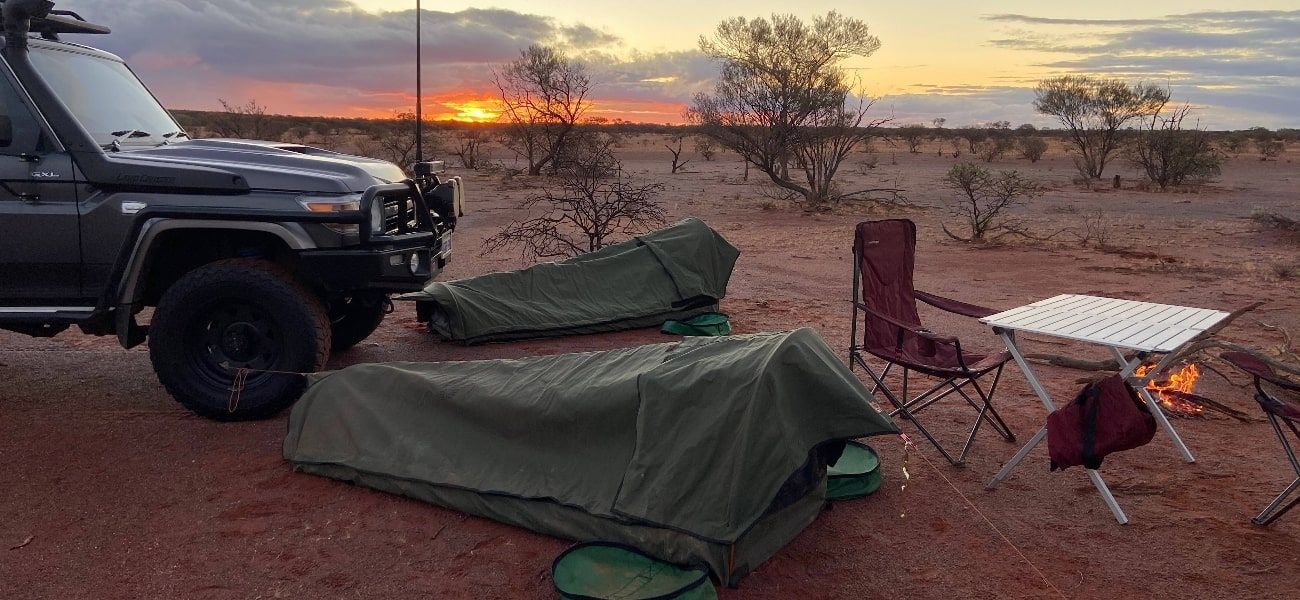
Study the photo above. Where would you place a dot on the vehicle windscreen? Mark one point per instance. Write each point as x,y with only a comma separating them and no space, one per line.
105,96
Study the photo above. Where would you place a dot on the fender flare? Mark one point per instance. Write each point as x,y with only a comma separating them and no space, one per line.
126,296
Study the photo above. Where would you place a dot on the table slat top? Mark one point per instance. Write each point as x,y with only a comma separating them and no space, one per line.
1141,326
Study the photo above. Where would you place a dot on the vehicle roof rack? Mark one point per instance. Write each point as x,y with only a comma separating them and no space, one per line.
57,22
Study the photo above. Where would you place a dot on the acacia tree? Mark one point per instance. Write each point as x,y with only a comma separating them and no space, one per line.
1093,112
593,203
543,96
782,102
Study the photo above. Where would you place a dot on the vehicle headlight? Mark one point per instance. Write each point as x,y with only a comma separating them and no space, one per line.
378,215
334,204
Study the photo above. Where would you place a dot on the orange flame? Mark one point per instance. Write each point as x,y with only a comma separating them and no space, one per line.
1183,380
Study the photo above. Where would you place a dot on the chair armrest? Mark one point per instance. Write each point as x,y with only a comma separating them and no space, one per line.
955,306
916,329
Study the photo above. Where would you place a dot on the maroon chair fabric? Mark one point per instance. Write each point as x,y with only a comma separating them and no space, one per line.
884,255
1281,413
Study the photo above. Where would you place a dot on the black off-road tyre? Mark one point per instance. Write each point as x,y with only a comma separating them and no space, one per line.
353,319
232,314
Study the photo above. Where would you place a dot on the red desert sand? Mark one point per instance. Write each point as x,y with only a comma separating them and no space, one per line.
119,492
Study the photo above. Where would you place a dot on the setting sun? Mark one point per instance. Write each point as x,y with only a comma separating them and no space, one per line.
471,111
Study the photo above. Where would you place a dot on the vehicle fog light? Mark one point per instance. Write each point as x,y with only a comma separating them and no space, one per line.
396,260
415,264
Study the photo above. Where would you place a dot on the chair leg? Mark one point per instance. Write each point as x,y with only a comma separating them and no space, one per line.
998,424
904,411
1272,512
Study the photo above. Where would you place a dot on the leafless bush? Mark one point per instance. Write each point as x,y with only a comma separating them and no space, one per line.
394,140
1170,155
675,147
1096,230
1285,271
471,149
1032,148
247,121
983,196
592,204
543,96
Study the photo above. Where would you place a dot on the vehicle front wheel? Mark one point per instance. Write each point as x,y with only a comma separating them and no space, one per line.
354,318
237,314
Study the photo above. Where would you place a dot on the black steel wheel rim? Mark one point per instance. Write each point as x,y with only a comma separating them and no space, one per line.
229,335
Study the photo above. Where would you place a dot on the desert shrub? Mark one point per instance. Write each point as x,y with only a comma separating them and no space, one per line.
471,149
982,199
1170,155
1032,148
1277,222
1266,143
1235,143
705,148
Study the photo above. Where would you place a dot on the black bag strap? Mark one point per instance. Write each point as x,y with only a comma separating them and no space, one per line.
1092,397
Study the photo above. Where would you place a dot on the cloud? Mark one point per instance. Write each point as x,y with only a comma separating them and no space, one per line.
314,56
1254,53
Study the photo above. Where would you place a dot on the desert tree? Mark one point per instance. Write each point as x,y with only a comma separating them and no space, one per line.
1032,147
784,104
998,141
1170,155
1235,142
247,121
592,203
674,146
983,197
543,97
974,137
939,122
1093,112
913,136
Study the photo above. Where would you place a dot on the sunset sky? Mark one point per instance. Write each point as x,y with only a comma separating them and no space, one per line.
967,62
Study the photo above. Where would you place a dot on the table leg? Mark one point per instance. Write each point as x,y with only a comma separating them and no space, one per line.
1015,460
1106,495
1141,384
1009,339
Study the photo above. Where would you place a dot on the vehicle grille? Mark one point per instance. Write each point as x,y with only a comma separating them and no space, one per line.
399,215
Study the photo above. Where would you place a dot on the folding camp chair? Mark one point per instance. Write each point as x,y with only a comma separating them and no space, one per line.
1279,411
884,254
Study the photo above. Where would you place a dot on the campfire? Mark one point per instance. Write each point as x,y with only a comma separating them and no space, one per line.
1170,391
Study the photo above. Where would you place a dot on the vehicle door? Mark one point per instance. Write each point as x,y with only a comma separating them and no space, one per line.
40,250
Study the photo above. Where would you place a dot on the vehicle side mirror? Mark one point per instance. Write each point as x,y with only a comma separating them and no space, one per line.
6,131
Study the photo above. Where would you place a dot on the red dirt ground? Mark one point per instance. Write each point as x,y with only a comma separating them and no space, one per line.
123,494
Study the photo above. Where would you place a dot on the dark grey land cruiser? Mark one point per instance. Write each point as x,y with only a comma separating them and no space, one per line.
256,256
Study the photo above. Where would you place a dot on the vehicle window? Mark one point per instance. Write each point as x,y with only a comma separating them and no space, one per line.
105,96
16,122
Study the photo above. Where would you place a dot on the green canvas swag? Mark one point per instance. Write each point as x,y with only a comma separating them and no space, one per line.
671,274
712,450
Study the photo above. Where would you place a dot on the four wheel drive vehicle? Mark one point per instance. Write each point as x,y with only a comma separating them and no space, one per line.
256,256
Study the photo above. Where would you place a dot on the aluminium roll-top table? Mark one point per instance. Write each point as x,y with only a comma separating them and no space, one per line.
1144,327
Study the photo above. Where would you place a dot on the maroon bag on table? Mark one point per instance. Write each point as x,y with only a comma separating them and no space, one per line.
1107,416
